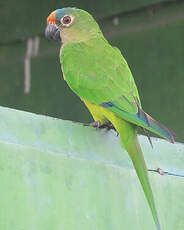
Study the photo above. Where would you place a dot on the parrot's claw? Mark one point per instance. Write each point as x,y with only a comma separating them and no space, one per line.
95,124
108,126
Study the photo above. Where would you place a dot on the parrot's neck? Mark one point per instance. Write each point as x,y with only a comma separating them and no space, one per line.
78,36
91,41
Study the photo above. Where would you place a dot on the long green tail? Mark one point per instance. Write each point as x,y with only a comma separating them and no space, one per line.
129,141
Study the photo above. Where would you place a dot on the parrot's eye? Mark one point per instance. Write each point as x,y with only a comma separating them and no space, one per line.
66,20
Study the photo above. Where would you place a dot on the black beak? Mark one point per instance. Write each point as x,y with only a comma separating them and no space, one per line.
52,32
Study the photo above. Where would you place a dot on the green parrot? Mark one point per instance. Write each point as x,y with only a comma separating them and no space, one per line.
100,76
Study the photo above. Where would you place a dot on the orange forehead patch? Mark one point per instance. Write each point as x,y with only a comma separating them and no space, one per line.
51,18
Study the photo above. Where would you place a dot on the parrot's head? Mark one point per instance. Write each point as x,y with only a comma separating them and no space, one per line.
71,24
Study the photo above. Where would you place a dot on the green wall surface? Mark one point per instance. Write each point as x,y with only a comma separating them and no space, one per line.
149,33
58,175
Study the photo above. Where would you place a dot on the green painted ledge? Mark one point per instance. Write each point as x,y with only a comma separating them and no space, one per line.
60,175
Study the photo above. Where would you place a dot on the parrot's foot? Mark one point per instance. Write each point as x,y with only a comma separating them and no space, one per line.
106,124
95,124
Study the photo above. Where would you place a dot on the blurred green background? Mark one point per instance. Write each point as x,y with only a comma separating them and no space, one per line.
150,34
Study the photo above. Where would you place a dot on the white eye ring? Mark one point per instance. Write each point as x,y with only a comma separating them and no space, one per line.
66,20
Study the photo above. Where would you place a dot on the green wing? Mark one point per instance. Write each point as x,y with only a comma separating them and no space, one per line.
97,72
